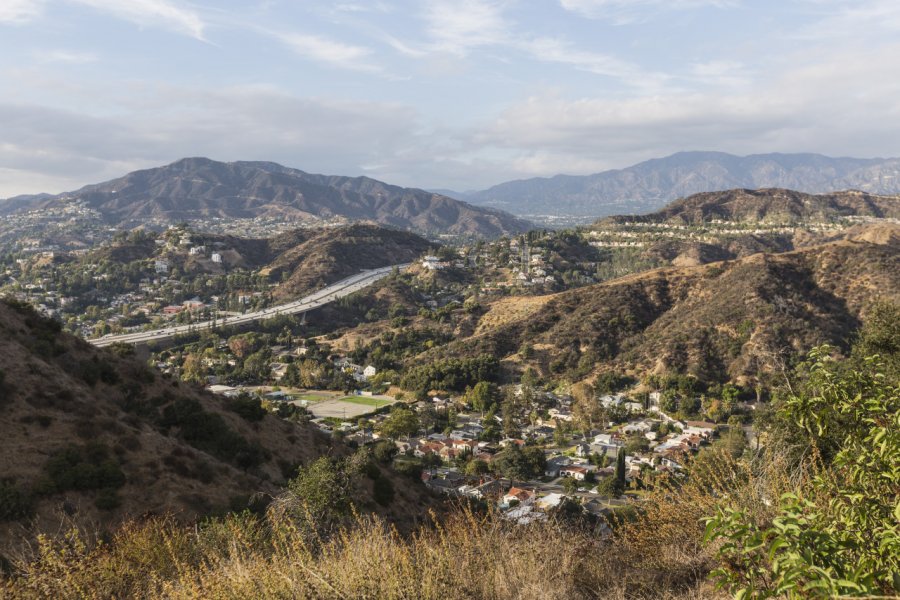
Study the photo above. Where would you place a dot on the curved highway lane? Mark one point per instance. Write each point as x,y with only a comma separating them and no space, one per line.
326,295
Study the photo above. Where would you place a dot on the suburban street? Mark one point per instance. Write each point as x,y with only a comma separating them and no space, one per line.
326,295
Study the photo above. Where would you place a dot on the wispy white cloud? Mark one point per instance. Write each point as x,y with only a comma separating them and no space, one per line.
402,47
627,11
850,19
456,26
363,7
156,13
20,11
332,52
66,56
459,27
560,51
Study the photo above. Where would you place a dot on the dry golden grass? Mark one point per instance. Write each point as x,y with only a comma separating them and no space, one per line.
657,554
509,310
465,556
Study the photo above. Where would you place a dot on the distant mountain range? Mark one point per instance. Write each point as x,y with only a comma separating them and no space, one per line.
200,188
649,185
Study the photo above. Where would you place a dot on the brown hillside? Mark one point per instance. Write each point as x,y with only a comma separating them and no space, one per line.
725,320
96,437
300,261
331,254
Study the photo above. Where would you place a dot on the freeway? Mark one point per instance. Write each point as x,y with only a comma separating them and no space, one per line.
326,295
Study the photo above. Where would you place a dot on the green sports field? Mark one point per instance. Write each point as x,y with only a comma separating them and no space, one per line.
365,401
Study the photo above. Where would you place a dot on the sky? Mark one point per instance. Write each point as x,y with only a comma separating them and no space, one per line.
438,94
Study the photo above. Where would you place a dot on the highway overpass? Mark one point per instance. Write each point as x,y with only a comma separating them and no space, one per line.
326,295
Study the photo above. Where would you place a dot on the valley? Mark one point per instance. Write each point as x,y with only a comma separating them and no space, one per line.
558,374
488,300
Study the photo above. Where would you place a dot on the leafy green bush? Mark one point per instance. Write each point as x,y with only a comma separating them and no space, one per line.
93,370
384,451
837,533
247,407
107,499
383,491
208,432
88,467
410,467
15,503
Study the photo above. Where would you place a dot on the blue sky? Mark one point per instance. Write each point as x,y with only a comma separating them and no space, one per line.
457,94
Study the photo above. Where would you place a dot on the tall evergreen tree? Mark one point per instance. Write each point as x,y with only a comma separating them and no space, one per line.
620,469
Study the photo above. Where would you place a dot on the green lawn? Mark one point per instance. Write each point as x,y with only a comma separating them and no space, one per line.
364,400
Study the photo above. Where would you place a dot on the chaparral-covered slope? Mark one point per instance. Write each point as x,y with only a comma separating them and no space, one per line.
729,320
95,437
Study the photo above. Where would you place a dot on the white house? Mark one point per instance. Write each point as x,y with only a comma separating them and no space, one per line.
432,263
369,372
550,500
555,465
576,472
216,257
606,439
161,266
610,401
700,428
640,427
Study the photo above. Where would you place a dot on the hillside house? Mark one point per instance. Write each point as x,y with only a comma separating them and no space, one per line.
555,465
432,263
520,495
701,428
193,304
576,472
639,427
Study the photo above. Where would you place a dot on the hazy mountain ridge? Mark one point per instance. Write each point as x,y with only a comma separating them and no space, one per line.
651,184
200,188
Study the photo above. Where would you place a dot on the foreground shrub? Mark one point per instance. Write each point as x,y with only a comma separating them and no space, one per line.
837,533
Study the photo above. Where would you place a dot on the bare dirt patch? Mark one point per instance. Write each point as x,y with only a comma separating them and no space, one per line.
341,409
508,310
